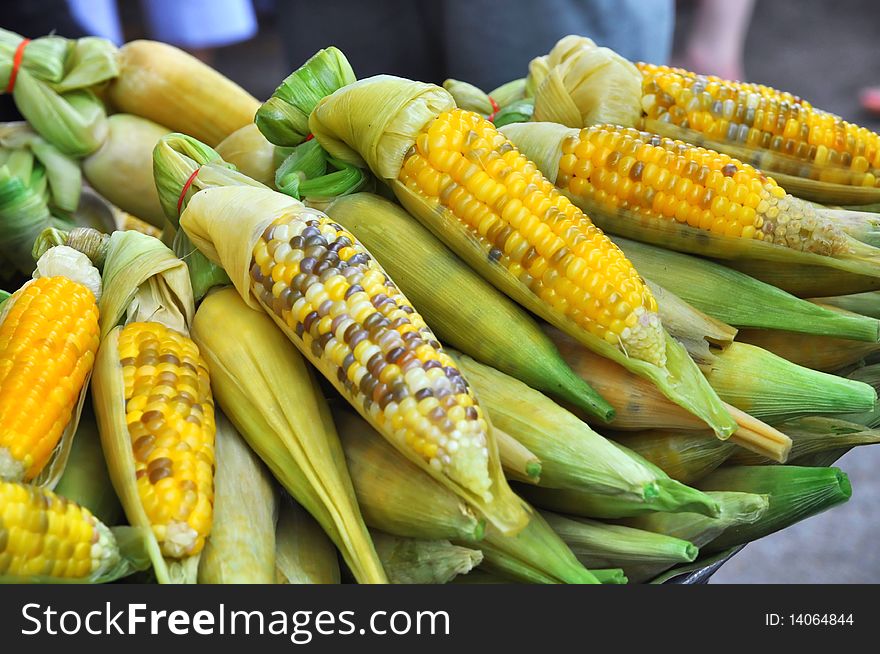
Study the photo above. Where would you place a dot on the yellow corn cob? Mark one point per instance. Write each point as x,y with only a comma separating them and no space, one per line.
663,179
170,417
534,232
324,286
799,139
46,536
48,340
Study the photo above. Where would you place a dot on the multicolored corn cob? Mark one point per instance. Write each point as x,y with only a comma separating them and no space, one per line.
332,294
170,416
46,536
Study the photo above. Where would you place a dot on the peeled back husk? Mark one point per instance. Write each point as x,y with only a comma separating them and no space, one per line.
254,375
164,84
488,327
225,224
122,168
414,561
303,552
241,547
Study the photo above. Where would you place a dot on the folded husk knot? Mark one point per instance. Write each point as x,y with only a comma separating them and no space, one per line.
284,118
579,83
51,87
378,117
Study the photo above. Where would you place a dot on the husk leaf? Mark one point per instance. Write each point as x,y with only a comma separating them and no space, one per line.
414,561
303,552
684,455
249,151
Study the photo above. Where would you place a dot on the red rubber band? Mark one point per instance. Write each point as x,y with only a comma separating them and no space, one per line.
186,186
309,137
16,64
495,109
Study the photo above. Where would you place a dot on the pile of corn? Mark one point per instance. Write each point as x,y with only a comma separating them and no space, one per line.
385,331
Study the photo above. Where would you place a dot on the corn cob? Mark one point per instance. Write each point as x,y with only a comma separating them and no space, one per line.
640,406
336,304
814,435
413,561
599,545
642,186
524,255
488,327
823,353
773,389
395,496
249,151
795,493
48,342
86,480
743,301
44,537
736,509
121,170
783,133
572,455
684,455
170,87
303,552
535,555
296,440
241,547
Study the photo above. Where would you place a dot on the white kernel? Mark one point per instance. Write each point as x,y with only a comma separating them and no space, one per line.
282,251
282,233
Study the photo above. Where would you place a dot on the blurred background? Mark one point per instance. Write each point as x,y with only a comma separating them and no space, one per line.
826,52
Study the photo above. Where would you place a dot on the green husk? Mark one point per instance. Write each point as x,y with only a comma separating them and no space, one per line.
310,175
394,495
249,151
572,455
610,576
24,215
414,561
795,493
488,327
4,296
814,435
52,88
770,388
241,546
599,545
303,552
86,480
284,118
866,304
535,555
41,165
790,269
869,375
121,170
740,300
520,111
203,274
467,96
254,375
682,454
736,509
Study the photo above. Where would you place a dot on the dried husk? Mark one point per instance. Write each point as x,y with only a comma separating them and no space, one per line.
225,224
254,375
825,353
684,455
241,547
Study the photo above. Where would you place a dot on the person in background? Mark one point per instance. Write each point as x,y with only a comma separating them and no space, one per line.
716,39
483,42
195,25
